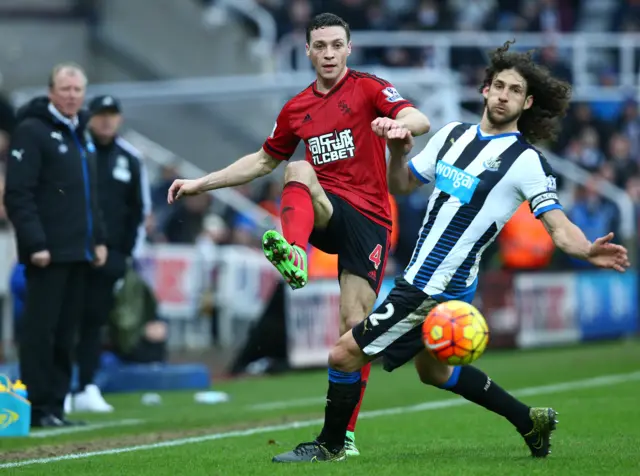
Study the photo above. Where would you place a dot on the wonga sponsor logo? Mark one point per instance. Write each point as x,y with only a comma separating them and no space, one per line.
456,182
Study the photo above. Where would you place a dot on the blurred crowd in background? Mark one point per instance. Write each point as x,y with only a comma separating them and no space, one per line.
602,137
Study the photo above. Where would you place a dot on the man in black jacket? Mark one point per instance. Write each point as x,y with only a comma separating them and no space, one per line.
120,195
51,200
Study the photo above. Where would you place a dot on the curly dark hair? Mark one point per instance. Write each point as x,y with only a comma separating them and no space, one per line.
551,96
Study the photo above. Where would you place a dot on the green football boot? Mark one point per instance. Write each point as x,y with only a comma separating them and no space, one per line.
289,260
350,444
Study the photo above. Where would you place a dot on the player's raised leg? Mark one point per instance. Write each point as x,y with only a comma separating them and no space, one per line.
356,302
304,206
471,383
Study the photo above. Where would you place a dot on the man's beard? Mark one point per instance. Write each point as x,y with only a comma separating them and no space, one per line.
501,121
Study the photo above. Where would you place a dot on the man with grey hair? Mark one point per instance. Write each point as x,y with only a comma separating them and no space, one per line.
51,201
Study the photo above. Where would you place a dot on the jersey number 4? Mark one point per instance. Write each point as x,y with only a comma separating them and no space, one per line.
376,256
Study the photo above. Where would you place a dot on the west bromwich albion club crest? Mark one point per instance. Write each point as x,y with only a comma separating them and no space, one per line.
492,164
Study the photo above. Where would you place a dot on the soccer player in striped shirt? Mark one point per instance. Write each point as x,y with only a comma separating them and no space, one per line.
482,173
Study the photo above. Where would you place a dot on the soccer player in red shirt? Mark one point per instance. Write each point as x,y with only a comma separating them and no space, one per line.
337,199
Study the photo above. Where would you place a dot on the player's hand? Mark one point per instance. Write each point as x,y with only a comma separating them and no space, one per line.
399,141
181,187
605,254
382,125
41,259
101,256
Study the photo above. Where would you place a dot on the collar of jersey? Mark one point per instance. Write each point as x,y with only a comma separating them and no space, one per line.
335,87
482,136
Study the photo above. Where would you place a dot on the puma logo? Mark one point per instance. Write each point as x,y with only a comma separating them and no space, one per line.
17,154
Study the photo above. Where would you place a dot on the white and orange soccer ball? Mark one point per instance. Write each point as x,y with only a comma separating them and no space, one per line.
455,333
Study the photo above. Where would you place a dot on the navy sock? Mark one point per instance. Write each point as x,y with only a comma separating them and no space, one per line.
342,398
475,386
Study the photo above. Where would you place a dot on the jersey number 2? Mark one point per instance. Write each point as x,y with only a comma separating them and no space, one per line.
376,256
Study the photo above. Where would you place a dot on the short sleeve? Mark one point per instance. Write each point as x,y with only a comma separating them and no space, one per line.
282,142
423,165
537,183
386,98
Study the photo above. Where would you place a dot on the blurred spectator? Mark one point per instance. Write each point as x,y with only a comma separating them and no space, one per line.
184,224
473,15
161,209
594,214
269,197
627,18
629,125
136,333
580,118
633,189
411,210
298,15
586,151
430,16
625,166
524,243
550,58
351,11
550,16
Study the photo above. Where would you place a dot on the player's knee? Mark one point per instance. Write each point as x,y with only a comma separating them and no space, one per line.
432,372
346,356
300,171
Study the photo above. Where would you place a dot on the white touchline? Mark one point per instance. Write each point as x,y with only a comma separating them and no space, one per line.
77,429
453,402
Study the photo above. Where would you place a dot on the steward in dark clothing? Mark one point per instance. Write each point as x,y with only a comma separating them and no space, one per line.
119,167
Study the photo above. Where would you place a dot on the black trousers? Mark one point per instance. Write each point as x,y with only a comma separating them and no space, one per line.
53,308
99,302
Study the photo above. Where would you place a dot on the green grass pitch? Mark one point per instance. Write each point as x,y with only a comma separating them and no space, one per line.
406,429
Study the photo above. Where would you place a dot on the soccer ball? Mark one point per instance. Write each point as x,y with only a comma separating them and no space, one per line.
455,333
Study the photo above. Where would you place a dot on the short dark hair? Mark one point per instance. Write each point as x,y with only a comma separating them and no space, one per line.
551,96
324,20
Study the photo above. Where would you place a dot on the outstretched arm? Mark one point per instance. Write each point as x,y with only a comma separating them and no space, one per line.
570,239
243,170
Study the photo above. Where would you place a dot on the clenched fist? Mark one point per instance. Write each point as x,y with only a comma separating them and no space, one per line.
382,125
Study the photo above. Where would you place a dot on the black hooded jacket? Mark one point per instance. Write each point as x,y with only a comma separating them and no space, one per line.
120,195
50,190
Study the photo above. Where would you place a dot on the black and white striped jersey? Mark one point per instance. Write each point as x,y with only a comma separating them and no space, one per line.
480,181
